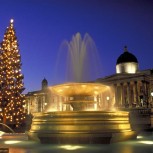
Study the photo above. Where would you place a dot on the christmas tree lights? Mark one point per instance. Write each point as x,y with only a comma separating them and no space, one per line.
11,80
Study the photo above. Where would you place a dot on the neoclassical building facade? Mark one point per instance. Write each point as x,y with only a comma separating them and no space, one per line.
130,88
37,100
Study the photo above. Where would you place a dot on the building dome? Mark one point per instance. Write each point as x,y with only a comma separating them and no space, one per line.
126,62
126,57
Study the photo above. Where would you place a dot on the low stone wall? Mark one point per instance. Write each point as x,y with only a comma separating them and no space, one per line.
140,118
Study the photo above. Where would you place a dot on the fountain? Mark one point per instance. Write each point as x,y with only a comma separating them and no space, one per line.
83,118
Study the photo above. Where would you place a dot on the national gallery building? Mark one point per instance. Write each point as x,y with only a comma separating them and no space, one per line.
130,88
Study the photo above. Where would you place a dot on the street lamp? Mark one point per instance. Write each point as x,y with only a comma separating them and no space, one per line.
151,98
45,104
108,98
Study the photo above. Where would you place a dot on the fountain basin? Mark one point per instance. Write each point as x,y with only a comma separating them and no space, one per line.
81,89
81,127
80,96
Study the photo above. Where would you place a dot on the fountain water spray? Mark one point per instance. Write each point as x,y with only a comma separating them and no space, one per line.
78,60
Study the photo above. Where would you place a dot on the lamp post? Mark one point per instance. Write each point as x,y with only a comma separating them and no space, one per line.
108,98
151,98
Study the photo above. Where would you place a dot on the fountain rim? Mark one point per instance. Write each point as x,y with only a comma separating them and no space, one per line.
78,88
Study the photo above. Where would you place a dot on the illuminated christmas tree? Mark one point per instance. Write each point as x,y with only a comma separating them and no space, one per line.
11,80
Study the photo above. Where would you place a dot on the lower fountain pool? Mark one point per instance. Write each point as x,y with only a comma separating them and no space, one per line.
143,143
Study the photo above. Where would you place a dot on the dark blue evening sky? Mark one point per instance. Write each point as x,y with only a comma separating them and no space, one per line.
41,26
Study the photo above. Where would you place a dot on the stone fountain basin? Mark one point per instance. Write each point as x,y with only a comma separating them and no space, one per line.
81,127
81,89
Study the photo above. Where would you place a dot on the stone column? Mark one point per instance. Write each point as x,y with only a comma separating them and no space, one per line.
128,94
136,93
143,92
122,96
29,105
116,98
147,93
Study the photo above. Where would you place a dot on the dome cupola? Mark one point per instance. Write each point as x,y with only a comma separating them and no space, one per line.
126,62
44,84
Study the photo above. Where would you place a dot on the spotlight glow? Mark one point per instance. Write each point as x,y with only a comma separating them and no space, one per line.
139,137
146,142
71,147
12,141
1,133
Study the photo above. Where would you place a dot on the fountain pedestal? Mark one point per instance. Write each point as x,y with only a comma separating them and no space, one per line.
81,127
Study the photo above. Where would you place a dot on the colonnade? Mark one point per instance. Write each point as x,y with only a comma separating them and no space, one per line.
132,94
